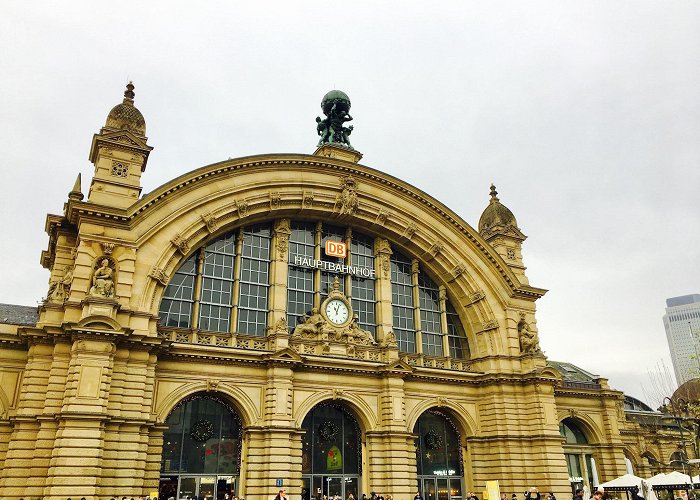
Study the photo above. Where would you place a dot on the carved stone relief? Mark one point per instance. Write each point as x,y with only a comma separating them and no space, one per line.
159,275
529,342
346,202
282,232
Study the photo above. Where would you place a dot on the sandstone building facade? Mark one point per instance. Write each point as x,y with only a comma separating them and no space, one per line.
295,320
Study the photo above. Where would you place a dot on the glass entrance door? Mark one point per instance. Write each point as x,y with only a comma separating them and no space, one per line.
202,487
440,487
319,485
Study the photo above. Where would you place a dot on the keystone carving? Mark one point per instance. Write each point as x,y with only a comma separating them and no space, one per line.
181,244
440,401
210,221
346,201
158,275
337,393
212,385
108,248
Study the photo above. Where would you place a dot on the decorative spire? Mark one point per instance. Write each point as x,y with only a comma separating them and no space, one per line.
129,93
76,194
494,193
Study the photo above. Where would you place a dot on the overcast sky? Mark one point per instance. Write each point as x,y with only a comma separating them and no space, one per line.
586,115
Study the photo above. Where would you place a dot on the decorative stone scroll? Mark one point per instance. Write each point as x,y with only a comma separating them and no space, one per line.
159,275
458,270
409,231
210,221
181,244
491,324
103,279
476,296
382,217
435,249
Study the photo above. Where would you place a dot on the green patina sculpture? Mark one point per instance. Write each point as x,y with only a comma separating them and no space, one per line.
336,106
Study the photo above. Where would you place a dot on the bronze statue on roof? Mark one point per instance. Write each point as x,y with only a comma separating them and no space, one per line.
336,106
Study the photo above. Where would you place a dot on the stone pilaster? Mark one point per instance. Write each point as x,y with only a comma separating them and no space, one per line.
382,269
271,454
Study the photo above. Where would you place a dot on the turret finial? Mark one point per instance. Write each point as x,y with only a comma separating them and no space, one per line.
76,193
129,93
494,193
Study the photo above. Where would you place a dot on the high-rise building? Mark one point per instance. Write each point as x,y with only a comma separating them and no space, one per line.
682,323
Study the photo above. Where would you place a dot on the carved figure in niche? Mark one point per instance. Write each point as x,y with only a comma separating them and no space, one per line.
357,334
347,199
59,288
102,281
311,325
529,343
390,340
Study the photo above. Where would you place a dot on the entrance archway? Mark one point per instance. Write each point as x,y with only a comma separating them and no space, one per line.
439,463
201,450
331,453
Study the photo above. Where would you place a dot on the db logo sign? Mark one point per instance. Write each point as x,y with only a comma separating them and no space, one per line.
336,249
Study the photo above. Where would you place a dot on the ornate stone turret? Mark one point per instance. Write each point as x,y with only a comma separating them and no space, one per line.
119,153
498,226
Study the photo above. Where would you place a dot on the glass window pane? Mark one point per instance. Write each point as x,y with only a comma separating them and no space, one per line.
255,277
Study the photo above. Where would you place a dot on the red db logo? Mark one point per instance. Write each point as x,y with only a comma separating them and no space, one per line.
336,249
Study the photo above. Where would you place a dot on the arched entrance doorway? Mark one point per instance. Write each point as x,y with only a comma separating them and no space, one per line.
331,453
201,450
438,457
578,454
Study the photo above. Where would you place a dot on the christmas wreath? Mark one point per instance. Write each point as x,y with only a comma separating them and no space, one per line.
202,431
328,431
433,440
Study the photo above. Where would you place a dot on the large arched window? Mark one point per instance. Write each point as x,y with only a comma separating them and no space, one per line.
224,287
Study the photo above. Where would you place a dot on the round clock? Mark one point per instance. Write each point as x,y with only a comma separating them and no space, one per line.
337,312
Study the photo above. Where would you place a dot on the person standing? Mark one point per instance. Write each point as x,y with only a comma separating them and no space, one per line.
533,494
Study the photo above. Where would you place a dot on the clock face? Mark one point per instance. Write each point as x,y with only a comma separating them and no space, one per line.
337,312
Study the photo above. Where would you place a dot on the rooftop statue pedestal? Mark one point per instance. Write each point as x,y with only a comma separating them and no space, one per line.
339,151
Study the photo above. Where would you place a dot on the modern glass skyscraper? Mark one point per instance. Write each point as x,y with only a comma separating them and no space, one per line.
682,323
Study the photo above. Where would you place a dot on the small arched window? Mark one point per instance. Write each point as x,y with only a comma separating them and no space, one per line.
572,432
